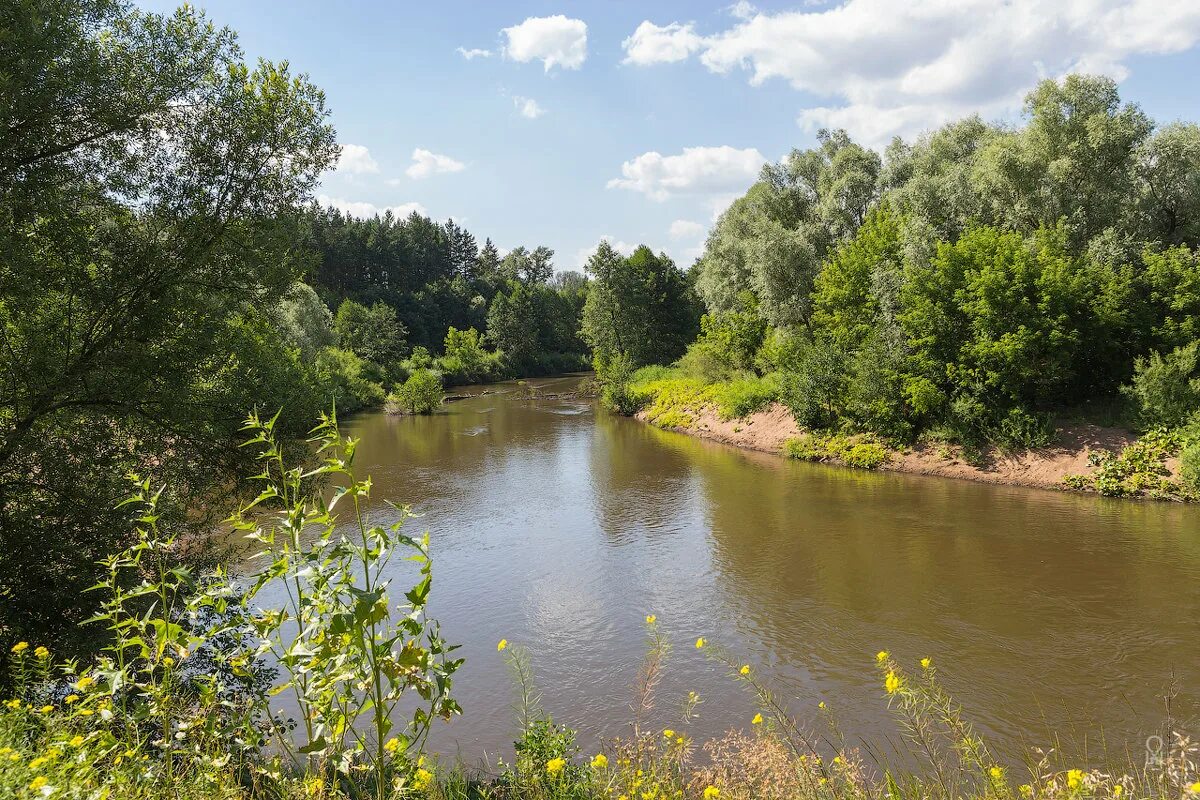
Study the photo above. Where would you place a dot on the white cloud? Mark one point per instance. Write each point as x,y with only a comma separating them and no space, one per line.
556,41
356,160
584,253
903,67
474,53
426,163
528,107
358,208
697,170
651,44
685,229
742,9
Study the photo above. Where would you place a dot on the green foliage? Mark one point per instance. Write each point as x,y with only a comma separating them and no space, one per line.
149,187
178,705
743,395
464,357
352,382
1139,470
420,394
374,333
1166,389
859,451
815,387
641,306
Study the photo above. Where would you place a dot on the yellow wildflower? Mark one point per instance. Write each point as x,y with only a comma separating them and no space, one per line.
1195,788
1025,789
77,741
314,786
71,698
421,778
86,712
651,619
891,683
20,646
38,782
926,663
745,670
503,643
599,761
996,773
14,704
46,709
42,652
1074,778
39,762
555,765
391,744
757,720
700,643
881,656
669,734
821,705
679,740
168,661
711,793
85,682
1118,790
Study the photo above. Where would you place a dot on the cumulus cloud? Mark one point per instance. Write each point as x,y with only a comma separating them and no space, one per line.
904,67
528,107
356,160
426,163
652,44
556,41
697,170
685,229
474,53
358,208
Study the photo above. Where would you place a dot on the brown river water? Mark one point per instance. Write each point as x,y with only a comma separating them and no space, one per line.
559,527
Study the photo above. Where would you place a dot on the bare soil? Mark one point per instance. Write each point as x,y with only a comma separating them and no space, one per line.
1045,468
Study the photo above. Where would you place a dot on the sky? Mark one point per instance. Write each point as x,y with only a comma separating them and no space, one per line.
560,124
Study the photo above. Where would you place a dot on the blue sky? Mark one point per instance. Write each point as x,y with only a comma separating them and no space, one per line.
640,122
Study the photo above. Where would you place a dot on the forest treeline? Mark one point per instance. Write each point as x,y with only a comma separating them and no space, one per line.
971,285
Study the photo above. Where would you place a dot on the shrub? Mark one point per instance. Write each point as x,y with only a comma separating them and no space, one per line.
348,379
1166,389
465,360
420,394
1189,466
743,396
815,390
374,333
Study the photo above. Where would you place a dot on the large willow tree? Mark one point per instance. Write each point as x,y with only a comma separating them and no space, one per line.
148,179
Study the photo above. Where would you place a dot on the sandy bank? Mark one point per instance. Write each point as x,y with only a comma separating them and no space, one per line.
1044,468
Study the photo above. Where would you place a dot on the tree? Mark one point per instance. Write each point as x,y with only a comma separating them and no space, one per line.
641,306
374,333
149,183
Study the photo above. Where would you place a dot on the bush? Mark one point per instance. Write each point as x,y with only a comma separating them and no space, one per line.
1166,389
1189,466
816,390
348,379
465,360
420,394
743,396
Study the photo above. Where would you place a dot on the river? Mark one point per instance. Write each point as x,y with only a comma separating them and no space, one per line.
559,527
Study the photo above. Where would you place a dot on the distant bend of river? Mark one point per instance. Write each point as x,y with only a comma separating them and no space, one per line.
559,526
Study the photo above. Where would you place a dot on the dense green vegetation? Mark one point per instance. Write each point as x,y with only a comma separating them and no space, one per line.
164,269
969,286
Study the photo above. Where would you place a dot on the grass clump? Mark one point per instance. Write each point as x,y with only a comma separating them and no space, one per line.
860,450
672,398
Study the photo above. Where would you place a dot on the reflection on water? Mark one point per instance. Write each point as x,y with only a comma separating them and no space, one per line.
559,526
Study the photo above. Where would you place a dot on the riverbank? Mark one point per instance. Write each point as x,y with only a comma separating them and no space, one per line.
1074,461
